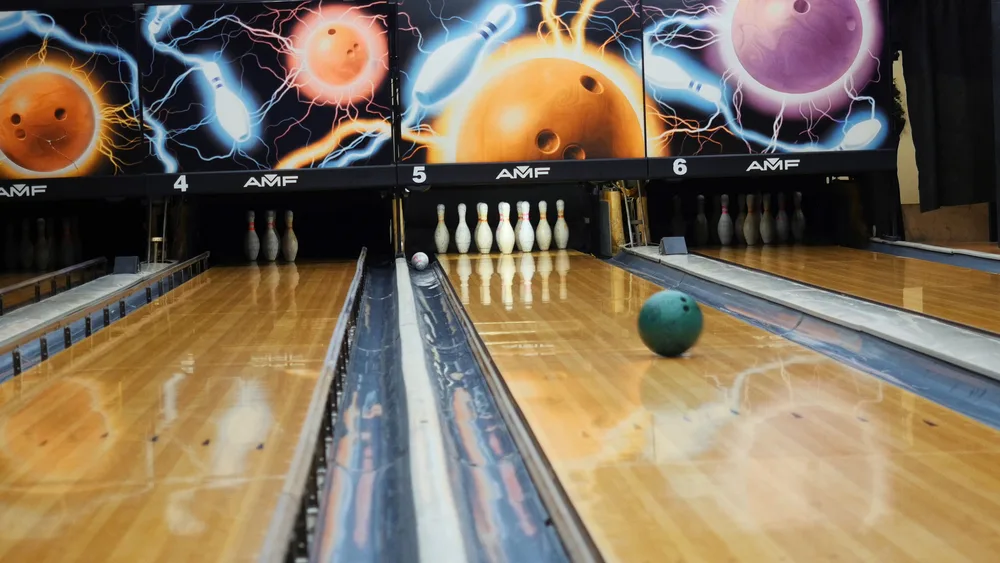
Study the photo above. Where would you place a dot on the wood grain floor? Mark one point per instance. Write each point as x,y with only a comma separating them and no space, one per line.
960,295
167,437
752,448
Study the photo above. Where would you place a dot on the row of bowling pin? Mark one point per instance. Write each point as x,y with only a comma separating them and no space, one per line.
507,236
755,222
544,263
46,251
253,245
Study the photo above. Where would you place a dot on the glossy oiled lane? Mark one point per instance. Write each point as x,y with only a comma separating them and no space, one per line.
751,449
167,437
960,295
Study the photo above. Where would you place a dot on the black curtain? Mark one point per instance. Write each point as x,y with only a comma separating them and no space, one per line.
947,63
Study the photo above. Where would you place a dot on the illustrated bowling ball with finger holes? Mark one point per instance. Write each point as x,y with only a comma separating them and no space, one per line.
47,121
670,322
549,109
797,46
337,54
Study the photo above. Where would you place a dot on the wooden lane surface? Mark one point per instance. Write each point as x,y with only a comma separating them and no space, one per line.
951,293
750,449
167,437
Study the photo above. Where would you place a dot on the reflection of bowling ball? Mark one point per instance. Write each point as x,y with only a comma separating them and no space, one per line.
47,121
549,109
337,54
670,322
797,46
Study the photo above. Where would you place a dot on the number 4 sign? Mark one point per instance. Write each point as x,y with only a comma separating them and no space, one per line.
181,183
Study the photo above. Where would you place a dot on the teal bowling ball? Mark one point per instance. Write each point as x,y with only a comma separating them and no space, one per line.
670,322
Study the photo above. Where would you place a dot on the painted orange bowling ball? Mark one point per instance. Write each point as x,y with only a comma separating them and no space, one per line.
337,54
47,121
549,109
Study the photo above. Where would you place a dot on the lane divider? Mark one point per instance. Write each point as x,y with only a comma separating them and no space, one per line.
439,529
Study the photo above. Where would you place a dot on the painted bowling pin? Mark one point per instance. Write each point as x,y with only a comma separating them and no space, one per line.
781,226
561,232
767,222
725,223
251,242
450,65
798,219
289,242
441,237
505,232
543,232
525,234
750,223
270,244
701,224
484,236
463,237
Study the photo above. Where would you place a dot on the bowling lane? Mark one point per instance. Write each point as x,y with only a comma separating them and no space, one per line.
167,437
751,449
960,295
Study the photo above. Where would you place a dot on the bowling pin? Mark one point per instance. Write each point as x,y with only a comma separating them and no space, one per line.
561,232
289,242
798,219
251,242
230,110
463,237
860,135
27,248
725,223
741,218
161,13
701,224
484,236
450,65
526,235
517,226
781,220
270,243
543,233
441,237
677,224
750,223
767,222
66,246
714,219
666,74
505,232
9,248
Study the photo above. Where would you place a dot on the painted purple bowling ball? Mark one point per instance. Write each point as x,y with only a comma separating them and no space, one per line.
797,46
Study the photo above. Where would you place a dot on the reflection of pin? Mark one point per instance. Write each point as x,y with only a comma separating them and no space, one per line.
667,74
860,135
527,270
545,270
507,269
444,70
229,108
562,268
464,273
485,271
161,13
